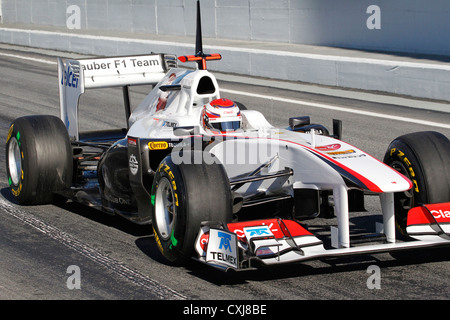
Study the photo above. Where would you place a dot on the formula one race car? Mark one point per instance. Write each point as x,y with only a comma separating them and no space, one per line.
217,182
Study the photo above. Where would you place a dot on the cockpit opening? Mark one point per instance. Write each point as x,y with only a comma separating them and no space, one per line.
205,86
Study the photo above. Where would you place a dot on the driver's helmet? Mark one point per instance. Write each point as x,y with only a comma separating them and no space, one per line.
221,115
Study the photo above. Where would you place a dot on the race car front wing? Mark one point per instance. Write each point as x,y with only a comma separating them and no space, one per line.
250,244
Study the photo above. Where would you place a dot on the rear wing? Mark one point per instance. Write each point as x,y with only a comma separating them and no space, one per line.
77,75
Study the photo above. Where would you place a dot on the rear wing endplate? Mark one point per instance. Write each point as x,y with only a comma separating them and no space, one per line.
77,75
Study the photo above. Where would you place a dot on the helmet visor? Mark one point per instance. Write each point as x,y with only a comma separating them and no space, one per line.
226,126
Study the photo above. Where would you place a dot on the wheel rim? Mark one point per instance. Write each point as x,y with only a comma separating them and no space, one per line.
164,208
14,161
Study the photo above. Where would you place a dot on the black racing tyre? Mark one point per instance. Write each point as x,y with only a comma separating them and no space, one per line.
184,195
423,157
38,159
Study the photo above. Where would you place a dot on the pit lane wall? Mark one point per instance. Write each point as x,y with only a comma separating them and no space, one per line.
296,40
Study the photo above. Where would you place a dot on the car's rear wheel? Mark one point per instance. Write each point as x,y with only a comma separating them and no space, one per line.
183,196
38,159
423,157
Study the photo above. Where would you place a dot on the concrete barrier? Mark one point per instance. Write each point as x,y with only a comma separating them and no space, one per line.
324,66
278,39
411,26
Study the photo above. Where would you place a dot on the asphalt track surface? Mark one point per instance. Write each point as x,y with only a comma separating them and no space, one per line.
118,260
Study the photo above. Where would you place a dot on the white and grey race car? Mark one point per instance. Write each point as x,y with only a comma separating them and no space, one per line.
217,182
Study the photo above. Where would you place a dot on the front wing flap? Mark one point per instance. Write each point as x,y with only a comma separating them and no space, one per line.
250,244
237,245
428,222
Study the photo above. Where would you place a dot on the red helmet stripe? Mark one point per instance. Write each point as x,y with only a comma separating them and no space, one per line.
222,103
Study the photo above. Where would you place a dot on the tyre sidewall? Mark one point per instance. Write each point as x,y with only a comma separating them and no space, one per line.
172,247
425,158
46,158
23,191
401,153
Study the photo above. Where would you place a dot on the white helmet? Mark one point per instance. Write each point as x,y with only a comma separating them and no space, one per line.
222,115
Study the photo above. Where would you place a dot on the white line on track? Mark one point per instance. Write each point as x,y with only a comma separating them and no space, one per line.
27,58
291,101
159,290
337,108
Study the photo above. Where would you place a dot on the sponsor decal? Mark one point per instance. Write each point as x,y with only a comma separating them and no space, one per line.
239,228
225,241
132,142
259,231
268,227
330,147
158,145
337,153
10,131
70,78
182,144
440,214
409,166
117,200
114,64
170,124
349,156
133,164
164,167
158,241
16,192
222,248
201,243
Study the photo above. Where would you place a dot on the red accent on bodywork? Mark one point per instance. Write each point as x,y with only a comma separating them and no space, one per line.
203,58
430,213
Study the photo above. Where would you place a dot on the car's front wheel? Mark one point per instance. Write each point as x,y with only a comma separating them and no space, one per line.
183,196
423,157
